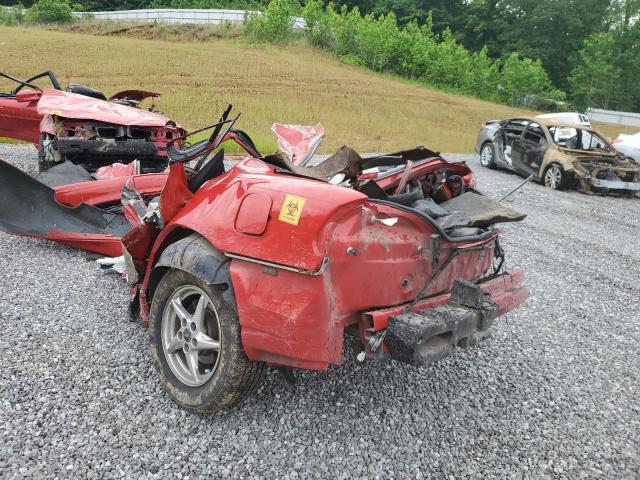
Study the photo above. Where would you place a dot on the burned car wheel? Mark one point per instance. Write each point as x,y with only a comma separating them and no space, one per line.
487,156
555,177
196,346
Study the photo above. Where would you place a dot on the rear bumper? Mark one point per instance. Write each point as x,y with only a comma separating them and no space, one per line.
434,327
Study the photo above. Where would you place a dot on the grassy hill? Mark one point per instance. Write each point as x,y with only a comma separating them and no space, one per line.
367,111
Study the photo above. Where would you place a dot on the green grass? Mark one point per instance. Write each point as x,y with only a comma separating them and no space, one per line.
297,84
11,140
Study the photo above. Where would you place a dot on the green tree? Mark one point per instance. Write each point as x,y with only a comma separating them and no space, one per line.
594,80
526,77
275,24
552,31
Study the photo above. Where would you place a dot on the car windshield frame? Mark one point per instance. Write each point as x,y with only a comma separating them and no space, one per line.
580,135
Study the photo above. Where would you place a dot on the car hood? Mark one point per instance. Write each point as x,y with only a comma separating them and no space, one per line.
72,105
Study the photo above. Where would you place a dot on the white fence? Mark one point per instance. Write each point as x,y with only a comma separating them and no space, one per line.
616,118
180,15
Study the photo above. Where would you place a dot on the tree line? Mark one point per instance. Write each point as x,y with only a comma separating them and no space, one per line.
587,51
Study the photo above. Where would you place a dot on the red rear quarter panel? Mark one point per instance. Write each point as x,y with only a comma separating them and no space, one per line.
298,318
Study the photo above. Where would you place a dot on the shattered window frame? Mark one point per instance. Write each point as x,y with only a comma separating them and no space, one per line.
579,134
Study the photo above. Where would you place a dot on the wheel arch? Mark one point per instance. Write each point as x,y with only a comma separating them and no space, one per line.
192,253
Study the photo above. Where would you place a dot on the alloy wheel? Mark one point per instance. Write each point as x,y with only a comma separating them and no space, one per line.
553,177
486,155
190,334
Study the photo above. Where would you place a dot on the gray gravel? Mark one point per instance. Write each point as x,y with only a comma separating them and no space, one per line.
554,393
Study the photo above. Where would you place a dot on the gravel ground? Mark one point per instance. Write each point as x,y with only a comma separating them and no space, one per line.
554,393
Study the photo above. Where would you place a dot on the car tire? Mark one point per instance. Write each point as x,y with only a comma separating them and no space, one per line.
488,155
187,314
555,177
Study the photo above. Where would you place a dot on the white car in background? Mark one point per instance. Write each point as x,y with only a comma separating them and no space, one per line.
573,117
628,145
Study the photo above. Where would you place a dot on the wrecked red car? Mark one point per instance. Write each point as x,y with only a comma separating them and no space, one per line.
268,263
82,126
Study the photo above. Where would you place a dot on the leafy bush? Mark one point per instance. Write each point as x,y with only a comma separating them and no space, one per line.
13,15
50,11
521,77
275,24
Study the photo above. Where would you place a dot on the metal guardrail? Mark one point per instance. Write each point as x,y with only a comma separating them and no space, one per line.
181,15
615,118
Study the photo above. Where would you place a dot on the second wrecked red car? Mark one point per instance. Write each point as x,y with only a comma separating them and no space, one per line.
272,263
82,126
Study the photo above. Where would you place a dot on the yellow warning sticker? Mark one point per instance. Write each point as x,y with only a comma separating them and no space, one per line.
291,209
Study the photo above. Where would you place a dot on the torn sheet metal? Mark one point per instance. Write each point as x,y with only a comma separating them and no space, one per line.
298,142
30,208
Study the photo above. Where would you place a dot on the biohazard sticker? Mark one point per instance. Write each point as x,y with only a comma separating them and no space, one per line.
291,209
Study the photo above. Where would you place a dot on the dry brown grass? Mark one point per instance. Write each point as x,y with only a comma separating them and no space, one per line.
297,84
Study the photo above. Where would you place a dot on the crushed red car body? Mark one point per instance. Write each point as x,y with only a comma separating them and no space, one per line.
272,263
80,125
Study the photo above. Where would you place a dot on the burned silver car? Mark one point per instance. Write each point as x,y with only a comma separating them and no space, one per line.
562,155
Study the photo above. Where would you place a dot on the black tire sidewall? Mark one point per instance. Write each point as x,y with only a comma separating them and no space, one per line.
215,392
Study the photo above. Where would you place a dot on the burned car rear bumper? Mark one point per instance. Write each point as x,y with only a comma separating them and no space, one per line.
430,331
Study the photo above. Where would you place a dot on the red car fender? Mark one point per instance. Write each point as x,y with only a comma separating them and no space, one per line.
19,120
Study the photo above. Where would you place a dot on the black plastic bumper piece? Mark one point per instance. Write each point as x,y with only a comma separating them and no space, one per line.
79,148
426,336
93,154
